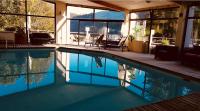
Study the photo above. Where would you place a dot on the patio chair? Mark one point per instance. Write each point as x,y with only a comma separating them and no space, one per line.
99,40
88,41
121,44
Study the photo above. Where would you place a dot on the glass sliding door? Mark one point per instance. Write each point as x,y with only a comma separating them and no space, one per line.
72,32
144,29
114,31
101,28
85,29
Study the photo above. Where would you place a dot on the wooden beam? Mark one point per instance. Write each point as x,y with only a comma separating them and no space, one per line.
86,6
109,5
153,8
192,2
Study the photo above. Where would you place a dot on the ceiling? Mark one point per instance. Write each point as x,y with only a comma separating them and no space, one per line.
124,4
82,2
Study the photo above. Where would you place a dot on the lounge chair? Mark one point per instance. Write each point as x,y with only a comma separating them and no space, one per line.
88,41
121,44
99,40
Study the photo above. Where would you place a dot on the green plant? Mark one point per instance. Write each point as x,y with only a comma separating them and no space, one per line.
137,31
131,37
165,41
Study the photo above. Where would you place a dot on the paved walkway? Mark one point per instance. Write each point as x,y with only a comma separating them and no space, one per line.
184,103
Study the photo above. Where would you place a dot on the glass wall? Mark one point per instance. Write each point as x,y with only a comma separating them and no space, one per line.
12,6
140,24
155,26
40,18
163,30
10,22
140,15
19,16
164,26
79,13
108,15
87,24
193,27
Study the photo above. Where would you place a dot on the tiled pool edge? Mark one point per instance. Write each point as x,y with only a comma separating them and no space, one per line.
182,75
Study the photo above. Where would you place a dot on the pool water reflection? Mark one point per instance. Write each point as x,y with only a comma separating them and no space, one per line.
70,80
97,69
23,70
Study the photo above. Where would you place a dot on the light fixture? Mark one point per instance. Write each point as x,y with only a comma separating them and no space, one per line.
147,1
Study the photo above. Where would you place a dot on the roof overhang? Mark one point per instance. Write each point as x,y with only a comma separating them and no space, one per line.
126,5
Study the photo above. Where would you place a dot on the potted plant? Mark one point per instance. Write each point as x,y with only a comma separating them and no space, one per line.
135,43
165,41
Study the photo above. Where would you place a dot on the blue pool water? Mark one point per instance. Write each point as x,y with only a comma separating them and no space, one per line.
48,80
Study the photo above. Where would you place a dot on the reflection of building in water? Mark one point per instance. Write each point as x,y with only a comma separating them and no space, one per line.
11,63
39,64
127,73
63,63
14,64
121,73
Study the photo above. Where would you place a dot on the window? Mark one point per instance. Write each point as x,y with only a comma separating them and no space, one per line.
85,25
166,13
164,26
160,25
40,17
140,24
140,29
12,6
114,31
194,11
42,24
79,13
40,7
192,36
11,22
163,30
140,15
108,15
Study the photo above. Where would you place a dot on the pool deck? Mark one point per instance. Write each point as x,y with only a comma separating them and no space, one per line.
184,103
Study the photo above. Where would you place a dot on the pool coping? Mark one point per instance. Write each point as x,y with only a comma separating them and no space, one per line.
179,74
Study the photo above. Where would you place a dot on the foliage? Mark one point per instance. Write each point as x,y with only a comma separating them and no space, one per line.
165,41
131,37
137,32
157,34
35,7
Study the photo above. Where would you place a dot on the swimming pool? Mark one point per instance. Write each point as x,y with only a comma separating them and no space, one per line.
70,80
